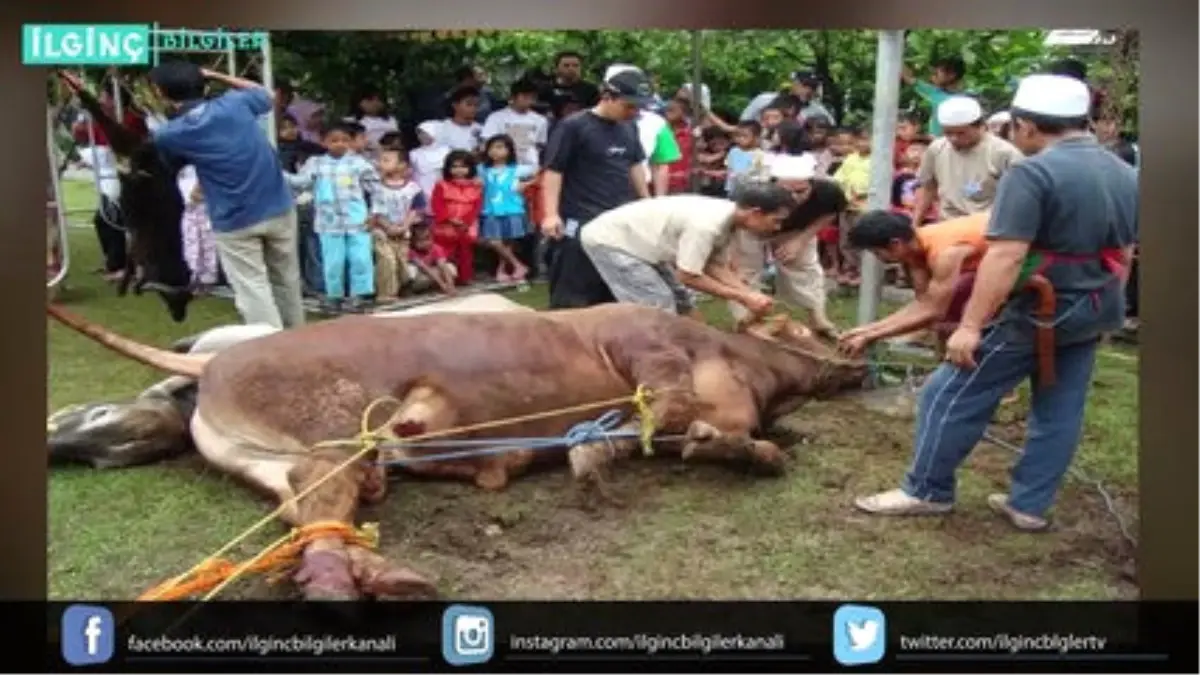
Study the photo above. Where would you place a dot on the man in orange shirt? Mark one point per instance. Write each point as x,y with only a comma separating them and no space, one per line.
941,260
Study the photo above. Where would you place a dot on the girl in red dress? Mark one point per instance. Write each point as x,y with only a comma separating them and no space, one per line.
456,203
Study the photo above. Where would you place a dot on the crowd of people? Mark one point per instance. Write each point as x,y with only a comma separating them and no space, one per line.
616,193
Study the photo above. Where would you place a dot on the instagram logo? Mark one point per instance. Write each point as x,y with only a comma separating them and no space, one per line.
467,634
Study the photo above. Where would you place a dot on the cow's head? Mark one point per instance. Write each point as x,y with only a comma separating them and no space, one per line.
151,208
118,434
828,372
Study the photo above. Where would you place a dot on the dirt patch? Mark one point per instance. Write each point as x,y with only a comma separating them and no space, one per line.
670,530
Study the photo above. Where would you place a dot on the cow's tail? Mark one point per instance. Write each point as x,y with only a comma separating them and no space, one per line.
190,365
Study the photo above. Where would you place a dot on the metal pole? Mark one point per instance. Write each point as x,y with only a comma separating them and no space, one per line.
60,214
268,81
697,71
889,57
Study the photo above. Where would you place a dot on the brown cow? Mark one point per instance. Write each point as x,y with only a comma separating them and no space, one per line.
264,404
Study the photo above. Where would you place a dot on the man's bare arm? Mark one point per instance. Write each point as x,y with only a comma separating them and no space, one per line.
551,191
998,271
640,180
662,178
928,306
232,80
926,196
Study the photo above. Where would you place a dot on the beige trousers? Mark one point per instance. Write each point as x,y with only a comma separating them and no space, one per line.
391,265
262,264
800,283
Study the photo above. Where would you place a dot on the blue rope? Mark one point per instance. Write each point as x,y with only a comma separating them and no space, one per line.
601,428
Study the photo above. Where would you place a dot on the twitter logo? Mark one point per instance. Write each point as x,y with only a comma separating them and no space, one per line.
859,635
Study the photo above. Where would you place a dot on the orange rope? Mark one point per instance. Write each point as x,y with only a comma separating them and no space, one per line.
280,557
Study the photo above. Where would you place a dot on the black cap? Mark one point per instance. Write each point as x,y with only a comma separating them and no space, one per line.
805,77
632,85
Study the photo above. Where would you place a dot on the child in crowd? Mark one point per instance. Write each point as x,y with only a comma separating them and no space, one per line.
358,138
460,131
854,175
527,129
905,183
712,158
745,155
398,206
293,149
841,143
340,181
679,176
392,140
456,205
427,264
908,131
428,159
199,245
503,223
371,111
819,133
770,119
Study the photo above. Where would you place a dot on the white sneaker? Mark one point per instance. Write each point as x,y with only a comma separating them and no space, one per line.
1021,521
899,503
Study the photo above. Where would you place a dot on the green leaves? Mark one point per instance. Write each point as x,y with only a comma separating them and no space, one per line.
737,64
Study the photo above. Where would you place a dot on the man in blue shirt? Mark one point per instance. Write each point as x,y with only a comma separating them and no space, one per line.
251,208
1069,213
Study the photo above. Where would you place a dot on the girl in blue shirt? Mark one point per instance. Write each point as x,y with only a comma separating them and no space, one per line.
503,221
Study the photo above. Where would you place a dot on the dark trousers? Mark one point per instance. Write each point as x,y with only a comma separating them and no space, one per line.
112,239
311,271
574,281
1131,291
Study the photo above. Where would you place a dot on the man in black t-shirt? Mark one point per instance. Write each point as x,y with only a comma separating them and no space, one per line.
593,163
568,85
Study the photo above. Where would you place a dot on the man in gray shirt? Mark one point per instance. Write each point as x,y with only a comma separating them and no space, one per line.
804,87
1068,213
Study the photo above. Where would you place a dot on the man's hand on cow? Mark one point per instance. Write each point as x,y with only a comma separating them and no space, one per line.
759,304
854,342
961,347
552,227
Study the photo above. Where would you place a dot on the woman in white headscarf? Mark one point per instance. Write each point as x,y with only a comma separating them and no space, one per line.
799,277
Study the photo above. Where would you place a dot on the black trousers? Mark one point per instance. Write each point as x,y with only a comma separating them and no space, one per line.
112,240
1131,291
573,279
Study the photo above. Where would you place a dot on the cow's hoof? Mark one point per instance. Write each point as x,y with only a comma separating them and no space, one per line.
700,431
768,458
381,579
492,478
586,461
373,488
326,575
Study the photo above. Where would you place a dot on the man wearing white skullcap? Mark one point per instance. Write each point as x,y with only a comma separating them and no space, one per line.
1060,237
800,279
960,169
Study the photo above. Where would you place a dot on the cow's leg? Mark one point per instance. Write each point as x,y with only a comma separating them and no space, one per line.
727,415
667,373
426,408
325,571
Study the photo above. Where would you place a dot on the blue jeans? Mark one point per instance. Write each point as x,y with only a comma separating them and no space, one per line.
352,251
310,252
956,406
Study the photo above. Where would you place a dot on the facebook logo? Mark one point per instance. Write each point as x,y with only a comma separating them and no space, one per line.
88,635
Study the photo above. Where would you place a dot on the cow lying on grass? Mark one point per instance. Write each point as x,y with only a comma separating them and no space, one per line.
264,404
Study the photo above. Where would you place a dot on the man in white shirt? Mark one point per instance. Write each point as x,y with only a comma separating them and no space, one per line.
460,131
649,250
527,129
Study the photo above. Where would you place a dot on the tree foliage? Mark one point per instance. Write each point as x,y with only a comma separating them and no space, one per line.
736,64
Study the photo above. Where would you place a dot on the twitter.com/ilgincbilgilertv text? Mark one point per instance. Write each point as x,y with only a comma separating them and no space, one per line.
1061,643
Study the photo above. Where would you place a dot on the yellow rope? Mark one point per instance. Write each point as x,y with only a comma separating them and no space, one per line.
368,441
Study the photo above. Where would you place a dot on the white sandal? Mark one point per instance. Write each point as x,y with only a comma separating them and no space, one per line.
899,503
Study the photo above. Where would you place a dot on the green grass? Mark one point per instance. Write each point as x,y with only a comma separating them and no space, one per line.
681,531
